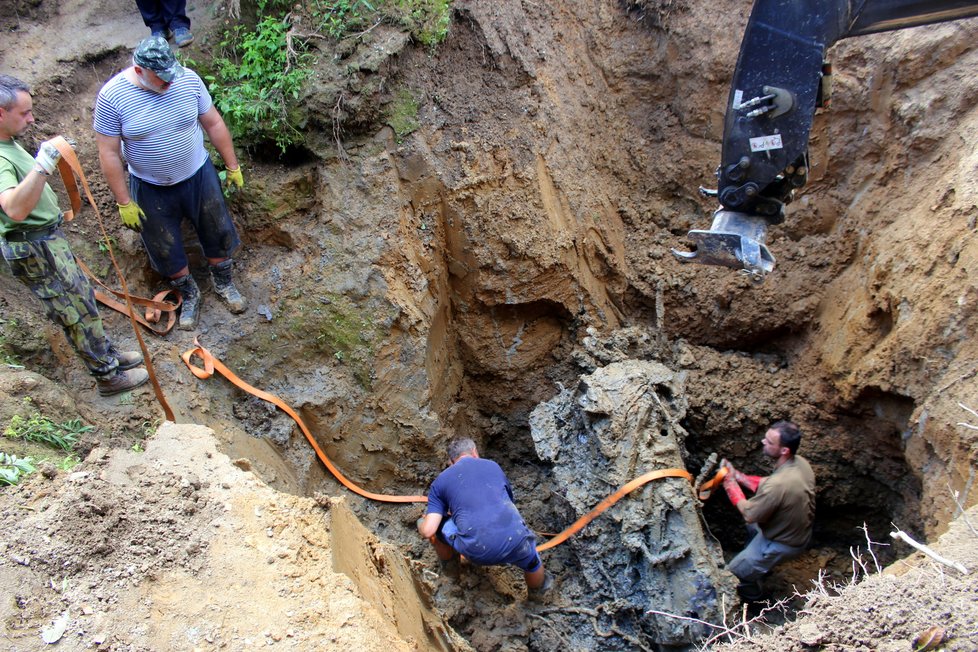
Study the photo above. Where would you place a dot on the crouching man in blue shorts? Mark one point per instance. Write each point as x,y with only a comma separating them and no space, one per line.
471,512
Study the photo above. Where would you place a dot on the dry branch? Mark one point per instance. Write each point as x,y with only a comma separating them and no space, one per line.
900,534
957,501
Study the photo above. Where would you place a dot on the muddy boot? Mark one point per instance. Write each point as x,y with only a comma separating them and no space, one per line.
224,286
543,592
127,359
190,309
121,381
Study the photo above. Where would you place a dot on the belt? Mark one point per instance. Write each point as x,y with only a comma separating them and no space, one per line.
31,236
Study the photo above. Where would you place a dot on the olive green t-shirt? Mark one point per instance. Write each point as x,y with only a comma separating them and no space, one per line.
784,505
15,164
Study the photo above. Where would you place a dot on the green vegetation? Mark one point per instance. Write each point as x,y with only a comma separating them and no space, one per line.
403,114
13,468
254,88
336,19
257,76
106,243
427,20
40,429
7,356
342,329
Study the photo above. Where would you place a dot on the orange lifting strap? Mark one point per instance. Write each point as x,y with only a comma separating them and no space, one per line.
69,166
212,364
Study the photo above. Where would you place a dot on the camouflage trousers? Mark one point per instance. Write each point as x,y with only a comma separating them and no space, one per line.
48,268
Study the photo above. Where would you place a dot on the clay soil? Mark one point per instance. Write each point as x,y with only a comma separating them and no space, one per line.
407,287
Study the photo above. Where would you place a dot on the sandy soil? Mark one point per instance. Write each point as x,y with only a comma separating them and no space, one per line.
178,548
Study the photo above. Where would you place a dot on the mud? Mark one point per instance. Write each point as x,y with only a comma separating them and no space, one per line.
406,289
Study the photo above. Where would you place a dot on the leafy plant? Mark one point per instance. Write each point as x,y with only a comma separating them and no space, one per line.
106,243
340,17
69,462
255,83
39,428
66,463
13,468
150,428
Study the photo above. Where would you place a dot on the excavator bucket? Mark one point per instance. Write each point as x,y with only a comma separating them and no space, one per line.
734,240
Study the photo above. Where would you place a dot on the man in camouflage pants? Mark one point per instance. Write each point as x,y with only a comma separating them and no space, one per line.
38,253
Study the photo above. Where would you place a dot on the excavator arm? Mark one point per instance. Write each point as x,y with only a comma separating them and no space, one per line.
780,79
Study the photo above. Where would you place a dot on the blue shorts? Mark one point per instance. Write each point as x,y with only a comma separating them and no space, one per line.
524,556
198,199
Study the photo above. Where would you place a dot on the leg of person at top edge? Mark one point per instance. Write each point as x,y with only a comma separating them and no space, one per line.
167,18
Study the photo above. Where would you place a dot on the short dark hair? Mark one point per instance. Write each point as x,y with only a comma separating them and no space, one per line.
460,447
789,435
9,86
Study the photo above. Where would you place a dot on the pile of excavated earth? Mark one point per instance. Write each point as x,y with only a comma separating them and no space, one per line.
503,272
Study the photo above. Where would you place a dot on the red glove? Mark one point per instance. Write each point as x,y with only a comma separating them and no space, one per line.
752,482
734,492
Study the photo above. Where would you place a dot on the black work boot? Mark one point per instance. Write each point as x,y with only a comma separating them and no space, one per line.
224,286
190,309
121,381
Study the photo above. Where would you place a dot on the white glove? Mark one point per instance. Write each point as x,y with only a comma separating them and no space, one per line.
47,157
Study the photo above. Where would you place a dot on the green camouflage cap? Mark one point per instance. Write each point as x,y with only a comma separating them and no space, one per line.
154,54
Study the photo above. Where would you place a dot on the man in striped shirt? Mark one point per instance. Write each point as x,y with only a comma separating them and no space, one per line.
155,114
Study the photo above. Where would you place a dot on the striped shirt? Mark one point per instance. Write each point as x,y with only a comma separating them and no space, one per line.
161,135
